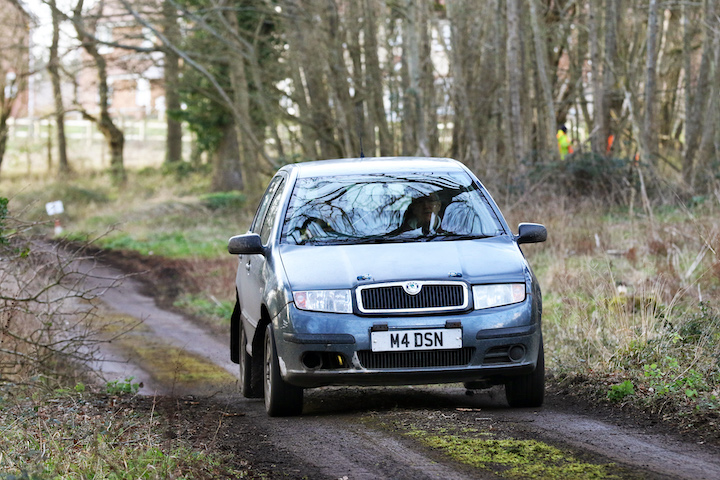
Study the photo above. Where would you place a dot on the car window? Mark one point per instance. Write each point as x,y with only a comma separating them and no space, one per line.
388,208
265,203
267,224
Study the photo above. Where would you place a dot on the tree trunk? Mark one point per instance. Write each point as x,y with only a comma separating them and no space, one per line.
307,41
695,116
597,141
4,127
608,76
711,130
407,119
246,160
716,86
374,80
363,117
648,142
113,135
515,82
549,141
227,175
427,80
308,134
344,107
54,71
468,145
415,96
171,72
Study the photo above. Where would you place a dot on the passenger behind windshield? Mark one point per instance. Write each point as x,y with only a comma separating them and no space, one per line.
387,208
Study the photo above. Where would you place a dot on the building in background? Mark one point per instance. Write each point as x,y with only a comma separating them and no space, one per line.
135,78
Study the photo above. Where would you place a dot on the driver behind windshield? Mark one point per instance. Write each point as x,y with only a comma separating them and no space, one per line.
423,214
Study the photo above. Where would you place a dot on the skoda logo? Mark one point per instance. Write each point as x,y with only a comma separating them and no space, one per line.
412,288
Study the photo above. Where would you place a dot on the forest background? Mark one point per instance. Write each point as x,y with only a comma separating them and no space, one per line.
630,273
262,83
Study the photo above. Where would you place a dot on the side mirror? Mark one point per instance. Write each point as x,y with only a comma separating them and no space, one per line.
531,233
248,244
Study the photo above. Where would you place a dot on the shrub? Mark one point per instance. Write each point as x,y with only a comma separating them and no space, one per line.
620,391
224,200
587,175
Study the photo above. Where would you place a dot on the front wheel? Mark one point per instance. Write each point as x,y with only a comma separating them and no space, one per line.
528,391
281,398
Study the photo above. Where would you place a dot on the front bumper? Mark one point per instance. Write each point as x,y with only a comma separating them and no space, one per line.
320,349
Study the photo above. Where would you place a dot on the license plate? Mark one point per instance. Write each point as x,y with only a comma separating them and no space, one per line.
420,339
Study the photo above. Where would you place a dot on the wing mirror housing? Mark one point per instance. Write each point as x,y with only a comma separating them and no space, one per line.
531,233
247,244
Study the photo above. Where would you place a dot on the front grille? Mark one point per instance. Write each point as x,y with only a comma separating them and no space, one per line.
416,359
432,297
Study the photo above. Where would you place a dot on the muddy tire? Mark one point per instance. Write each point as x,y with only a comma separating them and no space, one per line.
281,398
528,391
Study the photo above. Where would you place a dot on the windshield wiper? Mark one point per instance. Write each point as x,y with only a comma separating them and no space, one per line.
376,239
458,236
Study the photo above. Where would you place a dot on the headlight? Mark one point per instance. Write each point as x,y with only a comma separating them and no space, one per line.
333,301
487,296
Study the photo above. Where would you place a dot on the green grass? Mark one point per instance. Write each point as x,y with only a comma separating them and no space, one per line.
489,450
68,435
156,214
526,459
207,306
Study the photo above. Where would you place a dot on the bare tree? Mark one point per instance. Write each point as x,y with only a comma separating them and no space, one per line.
648,143
307,43
375,85
515,81
596,139
171,72
114,137
697,105
608,75
48,312
415,94
458,13
54,71
549,143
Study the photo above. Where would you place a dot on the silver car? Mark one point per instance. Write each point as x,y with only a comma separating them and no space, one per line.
384,271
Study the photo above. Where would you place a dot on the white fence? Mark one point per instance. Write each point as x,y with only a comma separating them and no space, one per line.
79,129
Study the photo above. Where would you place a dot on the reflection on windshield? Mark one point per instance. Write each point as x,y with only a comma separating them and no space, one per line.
387,208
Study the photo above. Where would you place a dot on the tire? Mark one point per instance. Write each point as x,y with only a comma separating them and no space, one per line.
281,398
528,391
250,375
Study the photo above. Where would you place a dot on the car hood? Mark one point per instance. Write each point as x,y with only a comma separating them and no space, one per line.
312,267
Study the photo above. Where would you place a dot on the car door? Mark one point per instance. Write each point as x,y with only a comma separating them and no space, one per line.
251,267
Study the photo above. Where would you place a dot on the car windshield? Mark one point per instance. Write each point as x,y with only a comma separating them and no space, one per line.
387,208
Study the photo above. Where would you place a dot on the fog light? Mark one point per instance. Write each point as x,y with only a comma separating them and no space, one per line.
516,353
312,360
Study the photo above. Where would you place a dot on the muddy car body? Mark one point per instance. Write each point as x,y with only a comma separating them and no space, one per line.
336,285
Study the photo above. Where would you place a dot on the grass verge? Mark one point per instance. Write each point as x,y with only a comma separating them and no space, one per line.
69,434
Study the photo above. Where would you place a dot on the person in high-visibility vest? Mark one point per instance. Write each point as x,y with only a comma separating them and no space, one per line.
564,142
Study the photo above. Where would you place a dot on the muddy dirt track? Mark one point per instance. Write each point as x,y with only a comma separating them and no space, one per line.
359,433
